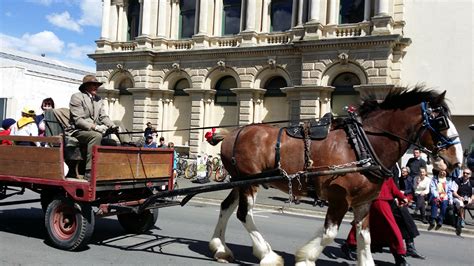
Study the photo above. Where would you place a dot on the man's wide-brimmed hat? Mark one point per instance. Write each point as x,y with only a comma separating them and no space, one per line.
89,79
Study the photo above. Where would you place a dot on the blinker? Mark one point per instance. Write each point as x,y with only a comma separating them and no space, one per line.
440,123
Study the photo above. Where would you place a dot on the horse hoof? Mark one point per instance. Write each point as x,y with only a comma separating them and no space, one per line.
272,259
223,257
305,263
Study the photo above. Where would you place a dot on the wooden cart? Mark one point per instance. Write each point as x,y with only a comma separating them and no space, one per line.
122,177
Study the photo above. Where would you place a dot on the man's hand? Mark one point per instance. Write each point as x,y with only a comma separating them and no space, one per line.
100,128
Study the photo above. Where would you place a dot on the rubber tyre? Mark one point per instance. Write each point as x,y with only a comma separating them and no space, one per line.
134,223
69,224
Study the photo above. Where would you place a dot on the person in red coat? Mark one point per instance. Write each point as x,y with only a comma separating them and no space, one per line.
6,125
384,230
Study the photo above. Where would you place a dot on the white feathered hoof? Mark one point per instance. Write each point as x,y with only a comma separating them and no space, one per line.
221,253
272,259
305,263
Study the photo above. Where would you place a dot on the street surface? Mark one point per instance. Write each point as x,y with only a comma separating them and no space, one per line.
181,237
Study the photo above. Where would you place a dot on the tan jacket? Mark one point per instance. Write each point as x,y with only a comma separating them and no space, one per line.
86,112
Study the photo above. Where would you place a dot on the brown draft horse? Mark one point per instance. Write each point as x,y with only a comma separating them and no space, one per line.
391,126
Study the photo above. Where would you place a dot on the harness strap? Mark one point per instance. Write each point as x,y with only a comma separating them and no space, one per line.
277,148
308,163
363,147
233,161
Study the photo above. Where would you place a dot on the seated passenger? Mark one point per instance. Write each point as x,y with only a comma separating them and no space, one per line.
47,104
421,189
149,143
6,126
88,117
462,194
441,195
26,126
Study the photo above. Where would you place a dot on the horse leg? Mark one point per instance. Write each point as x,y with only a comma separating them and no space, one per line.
217,244
261,249
361,217
309,253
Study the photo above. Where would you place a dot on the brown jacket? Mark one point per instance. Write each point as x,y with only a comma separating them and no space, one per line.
86,112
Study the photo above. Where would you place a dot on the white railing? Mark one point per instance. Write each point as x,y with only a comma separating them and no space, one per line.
276,38
352,30
180,44
124,46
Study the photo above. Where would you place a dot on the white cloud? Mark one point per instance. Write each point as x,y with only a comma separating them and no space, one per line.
42,2
64,20
78,52
42,42
91,13
8,14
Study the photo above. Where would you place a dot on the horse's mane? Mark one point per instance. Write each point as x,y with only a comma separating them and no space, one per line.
401,98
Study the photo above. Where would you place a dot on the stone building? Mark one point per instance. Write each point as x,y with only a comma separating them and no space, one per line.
200,63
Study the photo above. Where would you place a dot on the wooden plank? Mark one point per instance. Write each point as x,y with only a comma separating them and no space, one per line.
114,171
32,169
126,156
20,154
54,139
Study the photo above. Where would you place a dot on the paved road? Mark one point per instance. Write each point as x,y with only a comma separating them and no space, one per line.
275,199
181,237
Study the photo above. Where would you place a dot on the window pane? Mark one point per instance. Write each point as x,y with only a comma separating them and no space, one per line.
274,86
180,86
344,93
281,15
3,108
133,19
351,11
231,16
187,18
224,96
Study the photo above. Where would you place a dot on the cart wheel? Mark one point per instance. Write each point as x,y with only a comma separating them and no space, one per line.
69,224
138,223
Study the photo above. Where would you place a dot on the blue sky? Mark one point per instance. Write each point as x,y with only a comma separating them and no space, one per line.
60,29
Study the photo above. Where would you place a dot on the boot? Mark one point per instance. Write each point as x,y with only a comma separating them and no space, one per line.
412,252
400,260
348,251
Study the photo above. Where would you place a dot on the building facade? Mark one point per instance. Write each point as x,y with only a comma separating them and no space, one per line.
27,79
199,63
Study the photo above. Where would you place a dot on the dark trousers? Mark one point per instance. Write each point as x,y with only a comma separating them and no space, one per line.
443,206
420,204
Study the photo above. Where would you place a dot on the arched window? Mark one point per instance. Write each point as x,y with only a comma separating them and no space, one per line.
273,87
224,96
351,11
124,85
280,16
133,17
344,93
187,17
180,86
231,17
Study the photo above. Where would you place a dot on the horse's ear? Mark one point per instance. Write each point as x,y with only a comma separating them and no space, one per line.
439,99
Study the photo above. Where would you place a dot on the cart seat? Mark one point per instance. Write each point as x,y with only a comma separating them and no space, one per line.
57,124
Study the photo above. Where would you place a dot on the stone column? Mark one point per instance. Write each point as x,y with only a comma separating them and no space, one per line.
114,23
144,109
146,17
174,20
382,9
105,19
249,35
162,18
197,119
246,98
299,20
315,11
332,12
313,100
367,10
265,17
313,28
203,10
382,21
250,15
120,20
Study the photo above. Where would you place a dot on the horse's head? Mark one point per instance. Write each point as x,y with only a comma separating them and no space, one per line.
439,135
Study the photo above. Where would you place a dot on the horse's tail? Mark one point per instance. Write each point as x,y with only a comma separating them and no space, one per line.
214,137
